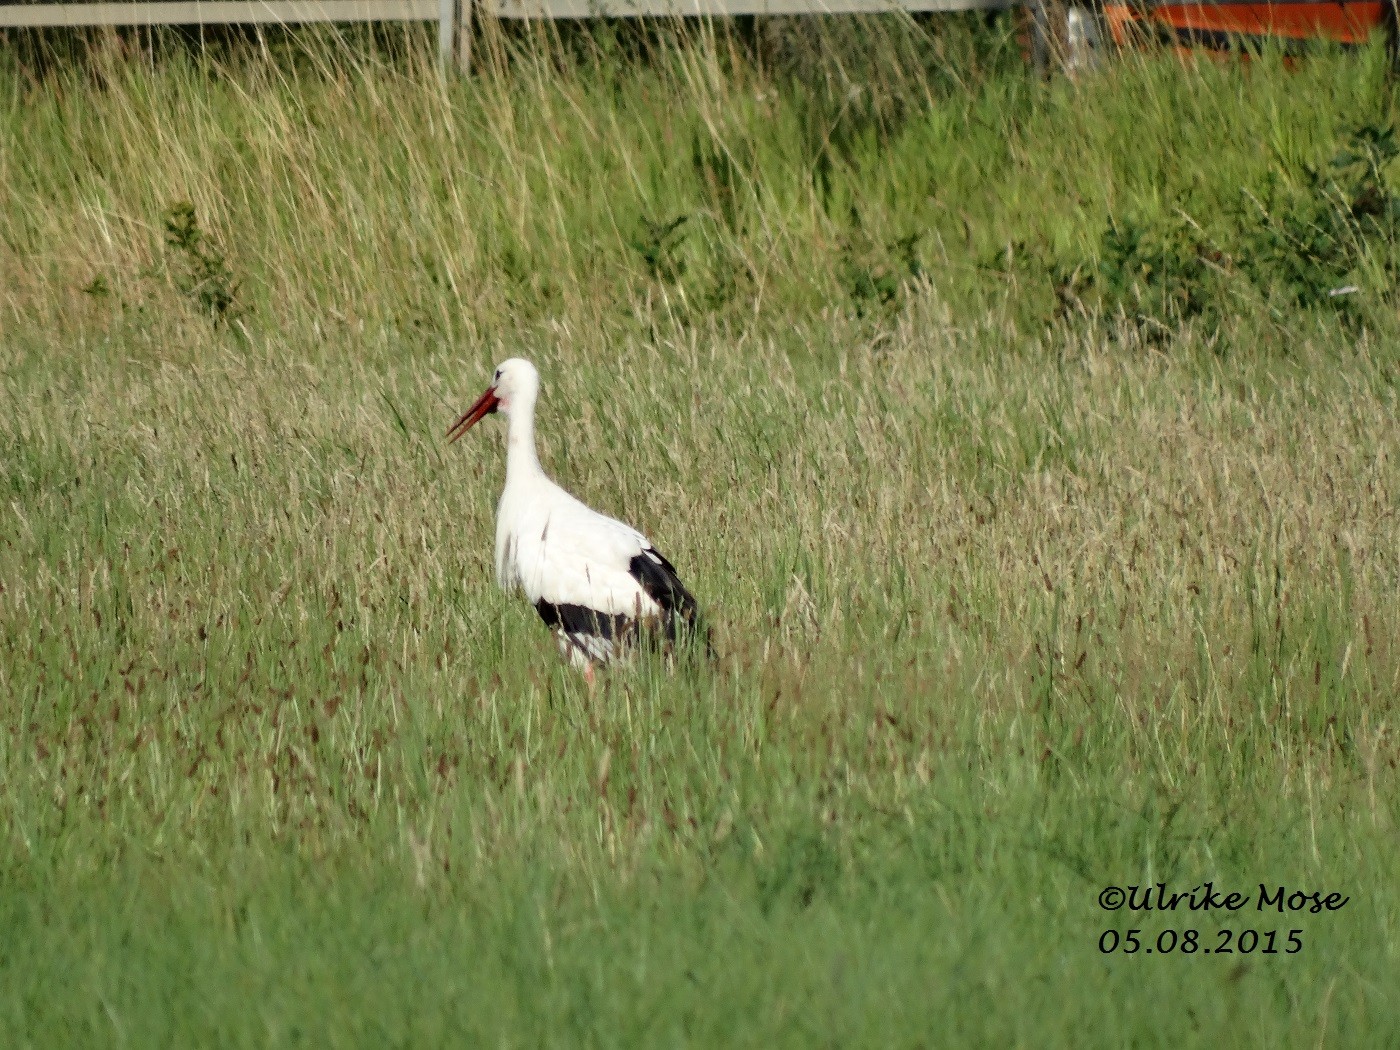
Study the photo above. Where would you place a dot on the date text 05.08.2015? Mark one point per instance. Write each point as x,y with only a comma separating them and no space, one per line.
1203,942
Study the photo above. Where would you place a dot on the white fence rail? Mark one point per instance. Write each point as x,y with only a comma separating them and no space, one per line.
217,12
454,17
723,8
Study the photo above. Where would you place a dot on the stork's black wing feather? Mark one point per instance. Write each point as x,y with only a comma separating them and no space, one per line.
588,629
658,578
590,632
580,620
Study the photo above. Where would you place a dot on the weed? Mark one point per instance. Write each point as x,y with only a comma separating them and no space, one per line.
1323,240
200,270
658,244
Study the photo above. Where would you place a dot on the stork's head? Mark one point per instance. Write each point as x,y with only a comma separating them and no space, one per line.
515,384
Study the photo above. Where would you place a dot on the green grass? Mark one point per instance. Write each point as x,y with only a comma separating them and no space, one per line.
1013,603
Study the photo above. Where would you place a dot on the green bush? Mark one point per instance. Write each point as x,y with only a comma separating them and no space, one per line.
1323,241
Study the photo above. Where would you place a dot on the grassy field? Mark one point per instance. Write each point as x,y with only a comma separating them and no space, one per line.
1043,497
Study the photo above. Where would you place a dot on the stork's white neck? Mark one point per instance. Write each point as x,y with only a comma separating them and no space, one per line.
522,462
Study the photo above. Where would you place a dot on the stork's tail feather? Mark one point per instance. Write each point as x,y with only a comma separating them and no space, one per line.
658,579
682,622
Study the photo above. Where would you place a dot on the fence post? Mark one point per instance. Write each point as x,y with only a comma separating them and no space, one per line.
447,12
465,13
455,35
1040,38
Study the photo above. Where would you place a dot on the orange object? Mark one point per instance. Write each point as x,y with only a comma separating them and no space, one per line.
1219,25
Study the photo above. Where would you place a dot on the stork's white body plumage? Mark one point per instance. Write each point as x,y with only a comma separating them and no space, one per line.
596,581
563,554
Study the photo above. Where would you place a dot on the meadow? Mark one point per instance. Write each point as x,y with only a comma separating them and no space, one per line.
1032,446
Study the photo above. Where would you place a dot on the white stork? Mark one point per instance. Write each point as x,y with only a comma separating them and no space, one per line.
597,582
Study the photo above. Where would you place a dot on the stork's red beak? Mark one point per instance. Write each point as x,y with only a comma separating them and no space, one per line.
484,406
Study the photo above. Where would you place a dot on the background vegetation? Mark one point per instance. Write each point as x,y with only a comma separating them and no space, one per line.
1042,492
